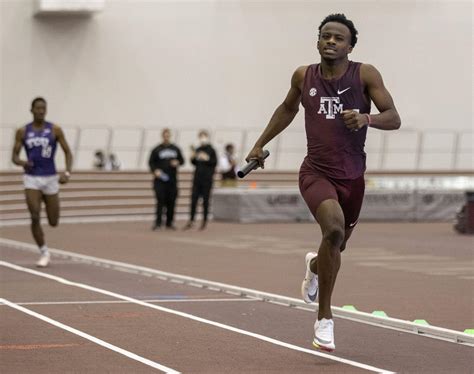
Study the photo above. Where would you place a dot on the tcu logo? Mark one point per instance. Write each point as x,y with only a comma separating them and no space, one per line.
37,142
330,106
46,149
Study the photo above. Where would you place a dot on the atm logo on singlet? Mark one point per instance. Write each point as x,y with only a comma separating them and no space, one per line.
330,106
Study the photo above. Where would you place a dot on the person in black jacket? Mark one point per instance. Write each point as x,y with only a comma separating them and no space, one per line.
204,158
164,162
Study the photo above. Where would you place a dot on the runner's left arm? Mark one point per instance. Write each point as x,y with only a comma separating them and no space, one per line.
67,152
388,119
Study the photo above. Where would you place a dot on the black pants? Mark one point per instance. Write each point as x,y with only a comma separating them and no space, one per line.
201,188
165,193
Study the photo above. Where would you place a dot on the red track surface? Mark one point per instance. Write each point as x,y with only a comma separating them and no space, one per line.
409,270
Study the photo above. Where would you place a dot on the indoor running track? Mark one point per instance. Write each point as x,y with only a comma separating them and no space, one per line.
78,316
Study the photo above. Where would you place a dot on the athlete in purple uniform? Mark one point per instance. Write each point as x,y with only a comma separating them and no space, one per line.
336,95
40,179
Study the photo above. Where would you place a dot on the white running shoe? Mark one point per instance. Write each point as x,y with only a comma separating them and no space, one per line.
324,335
309,287
43,260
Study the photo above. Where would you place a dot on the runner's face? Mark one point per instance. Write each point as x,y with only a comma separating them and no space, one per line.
334,41
39,111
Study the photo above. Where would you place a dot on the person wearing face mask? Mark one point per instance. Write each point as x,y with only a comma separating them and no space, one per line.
204,159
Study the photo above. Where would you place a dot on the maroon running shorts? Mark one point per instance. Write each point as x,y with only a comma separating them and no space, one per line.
315,187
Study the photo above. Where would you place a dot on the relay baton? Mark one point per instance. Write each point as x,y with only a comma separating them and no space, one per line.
252,165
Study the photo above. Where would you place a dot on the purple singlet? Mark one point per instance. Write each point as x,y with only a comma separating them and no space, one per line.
40,146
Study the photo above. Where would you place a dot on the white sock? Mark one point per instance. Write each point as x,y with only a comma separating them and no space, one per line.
43,249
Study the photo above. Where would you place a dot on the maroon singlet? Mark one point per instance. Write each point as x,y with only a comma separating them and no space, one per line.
334,150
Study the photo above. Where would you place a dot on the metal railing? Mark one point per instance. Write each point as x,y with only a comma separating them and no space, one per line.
406,149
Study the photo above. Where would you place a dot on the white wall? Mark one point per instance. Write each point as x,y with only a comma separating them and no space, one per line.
225,64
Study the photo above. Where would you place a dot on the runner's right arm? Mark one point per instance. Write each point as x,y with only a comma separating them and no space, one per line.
282,117
17,148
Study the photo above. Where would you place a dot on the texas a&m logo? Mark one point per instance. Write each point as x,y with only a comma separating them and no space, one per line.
330,106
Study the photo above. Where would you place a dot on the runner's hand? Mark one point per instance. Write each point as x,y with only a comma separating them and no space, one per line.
353,120
256,154
27,165
63,178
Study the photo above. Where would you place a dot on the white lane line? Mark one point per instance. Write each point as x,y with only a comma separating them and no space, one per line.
91,338
195,318
159,301
428,331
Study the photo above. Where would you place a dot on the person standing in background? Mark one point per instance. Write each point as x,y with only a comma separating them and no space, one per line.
99,160
227,167
41,181
204,158
113,163
164,162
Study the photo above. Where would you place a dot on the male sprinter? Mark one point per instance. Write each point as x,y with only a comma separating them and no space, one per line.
336,95
40,179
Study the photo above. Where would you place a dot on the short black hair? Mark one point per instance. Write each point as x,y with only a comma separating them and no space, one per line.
35,100
341,18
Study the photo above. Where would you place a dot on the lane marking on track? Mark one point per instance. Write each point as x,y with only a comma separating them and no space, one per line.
194,318
429,331
159,301
91,338
28,347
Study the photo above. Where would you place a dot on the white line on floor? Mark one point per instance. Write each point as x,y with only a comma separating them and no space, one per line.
91,338
195,318
159,301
